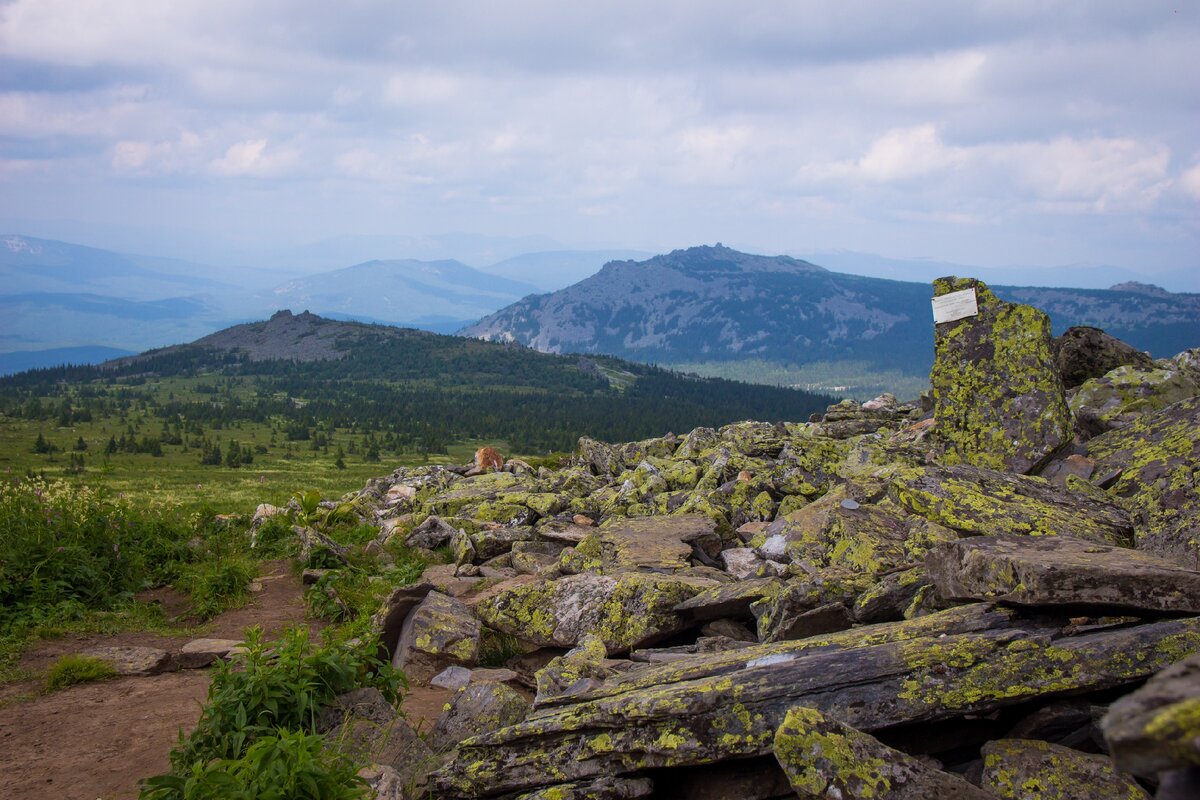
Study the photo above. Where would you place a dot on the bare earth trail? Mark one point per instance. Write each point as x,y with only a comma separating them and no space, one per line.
95,741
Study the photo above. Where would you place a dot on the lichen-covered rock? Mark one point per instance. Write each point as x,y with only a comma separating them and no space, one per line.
1121,396
439,632
838,531
627,610
648,544
781,623
477,708
824,758
1157,728
1082,353
735,714
574,672
888,598
598,789
430,534
602,458
473,490
1150,467
1061,570
1026,769
983,502
728,600
998,397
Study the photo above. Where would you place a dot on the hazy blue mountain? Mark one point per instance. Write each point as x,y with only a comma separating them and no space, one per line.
709,304
21,360
42,265
554,269
924,270
41,320
400,291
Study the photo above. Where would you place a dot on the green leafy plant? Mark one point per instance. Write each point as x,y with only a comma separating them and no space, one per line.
283,765
72,669
280,684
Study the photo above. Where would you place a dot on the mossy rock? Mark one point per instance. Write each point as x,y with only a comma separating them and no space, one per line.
1152,468
1027,769
1126,393
998,397
975,501
625,611
824,758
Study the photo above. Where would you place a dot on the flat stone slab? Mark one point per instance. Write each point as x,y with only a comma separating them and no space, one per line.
128,660
729,599
1061,570
975,501
647,544
628,610
202,652
869,688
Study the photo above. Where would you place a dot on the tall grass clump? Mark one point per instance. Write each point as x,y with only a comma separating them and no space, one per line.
66,549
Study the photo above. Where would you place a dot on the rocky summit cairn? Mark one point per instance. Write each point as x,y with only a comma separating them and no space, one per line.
982,598
998,397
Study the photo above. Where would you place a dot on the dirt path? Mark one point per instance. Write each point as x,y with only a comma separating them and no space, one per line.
95,741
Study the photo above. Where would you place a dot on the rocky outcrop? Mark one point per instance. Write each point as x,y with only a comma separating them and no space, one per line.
879,602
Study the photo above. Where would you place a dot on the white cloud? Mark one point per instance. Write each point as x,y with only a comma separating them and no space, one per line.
252,158
908,153
1189,181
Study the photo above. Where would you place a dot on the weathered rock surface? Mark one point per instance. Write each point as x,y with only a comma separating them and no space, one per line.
201,652
869,688
1061,570
629,578
1019,769
1150,467
478,708
629,610
998,398
130,660
1083,352
824,758
1127,393
982,502
439,632
1156,729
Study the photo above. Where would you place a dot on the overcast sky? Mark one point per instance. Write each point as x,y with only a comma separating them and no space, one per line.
987,133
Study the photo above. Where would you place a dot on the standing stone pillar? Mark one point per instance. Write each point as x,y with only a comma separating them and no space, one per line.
998,398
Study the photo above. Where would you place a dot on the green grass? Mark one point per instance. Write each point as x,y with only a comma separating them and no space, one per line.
74,669
177,477
214,585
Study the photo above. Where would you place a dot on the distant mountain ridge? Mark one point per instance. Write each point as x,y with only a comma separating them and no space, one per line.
717,304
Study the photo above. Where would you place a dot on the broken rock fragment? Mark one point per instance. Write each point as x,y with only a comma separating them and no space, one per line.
1061,570
439,632
824,758
1018,769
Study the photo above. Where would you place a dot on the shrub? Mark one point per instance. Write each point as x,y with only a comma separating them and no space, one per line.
72,669
284,765
63,544
280,685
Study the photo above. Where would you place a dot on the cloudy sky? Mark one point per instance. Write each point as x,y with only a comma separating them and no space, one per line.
992,132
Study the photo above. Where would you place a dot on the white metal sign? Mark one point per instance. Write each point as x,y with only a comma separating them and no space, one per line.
956,305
